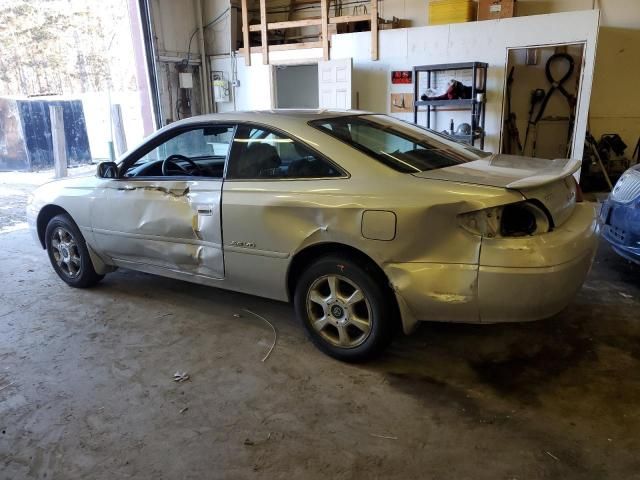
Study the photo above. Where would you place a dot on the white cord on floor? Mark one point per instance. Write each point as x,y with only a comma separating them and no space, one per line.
275,334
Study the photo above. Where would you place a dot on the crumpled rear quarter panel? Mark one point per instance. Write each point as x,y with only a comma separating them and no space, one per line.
431,263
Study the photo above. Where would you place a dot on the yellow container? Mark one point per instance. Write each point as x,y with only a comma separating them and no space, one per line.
451,11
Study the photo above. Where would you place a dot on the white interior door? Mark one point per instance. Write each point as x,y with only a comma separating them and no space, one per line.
334,83
257,87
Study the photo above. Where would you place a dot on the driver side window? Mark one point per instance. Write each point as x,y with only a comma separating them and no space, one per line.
200,152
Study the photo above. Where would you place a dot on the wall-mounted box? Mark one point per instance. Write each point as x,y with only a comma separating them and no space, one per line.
185,80
494,9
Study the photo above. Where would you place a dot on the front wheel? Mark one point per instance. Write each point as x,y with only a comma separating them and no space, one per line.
344,309
68,253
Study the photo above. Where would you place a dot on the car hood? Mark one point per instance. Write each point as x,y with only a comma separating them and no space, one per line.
506,171
47,191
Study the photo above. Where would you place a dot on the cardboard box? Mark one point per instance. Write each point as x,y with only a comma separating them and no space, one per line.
494,9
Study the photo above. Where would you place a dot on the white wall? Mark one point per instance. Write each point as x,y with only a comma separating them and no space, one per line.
173,24
401,49
475,41
615,101
415,12
220,37
615,13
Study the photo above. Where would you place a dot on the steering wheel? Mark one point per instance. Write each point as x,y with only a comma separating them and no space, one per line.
172,160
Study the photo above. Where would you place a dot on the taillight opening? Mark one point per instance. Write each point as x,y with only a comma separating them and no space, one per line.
513,220
517,220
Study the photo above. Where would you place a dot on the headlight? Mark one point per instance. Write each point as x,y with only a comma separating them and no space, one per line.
513,220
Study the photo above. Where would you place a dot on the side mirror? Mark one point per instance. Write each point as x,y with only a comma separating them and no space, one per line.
107,170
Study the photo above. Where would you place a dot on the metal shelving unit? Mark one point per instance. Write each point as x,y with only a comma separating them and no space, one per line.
477,108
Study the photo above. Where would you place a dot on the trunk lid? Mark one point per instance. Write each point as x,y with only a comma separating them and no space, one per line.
547,181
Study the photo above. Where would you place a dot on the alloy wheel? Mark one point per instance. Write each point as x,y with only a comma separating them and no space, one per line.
339,311
65,252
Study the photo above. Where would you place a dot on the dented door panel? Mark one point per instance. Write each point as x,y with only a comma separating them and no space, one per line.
171,224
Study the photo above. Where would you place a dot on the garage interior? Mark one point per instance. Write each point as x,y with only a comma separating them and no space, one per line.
148,377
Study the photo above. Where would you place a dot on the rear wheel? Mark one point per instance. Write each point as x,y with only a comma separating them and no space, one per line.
344,309
68,253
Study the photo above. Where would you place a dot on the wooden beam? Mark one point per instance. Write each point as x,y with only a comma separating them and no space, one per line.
310,21
286,46
288,24
374,30
263,30
325,28
245,33
350,18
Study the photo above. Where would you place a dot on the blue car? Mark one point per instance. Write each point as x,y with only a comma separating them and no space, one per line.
620,216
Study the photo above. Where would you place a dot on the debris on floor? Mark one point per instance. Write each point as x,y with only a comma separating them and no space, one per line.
182,410
180,376
7,385
552,456
387,437
275,334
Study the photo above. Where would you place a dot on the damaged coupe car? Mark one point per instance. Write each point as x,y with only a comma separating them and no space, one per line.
361,220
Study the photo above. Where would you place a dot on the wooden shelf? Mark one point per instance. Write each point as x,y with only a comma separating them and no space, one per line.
460,102
290,24
323,22
450,66
287,46
349,19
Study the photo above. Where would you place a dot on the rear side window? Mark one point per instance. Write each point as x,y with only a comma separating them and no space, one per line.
401,146
259,153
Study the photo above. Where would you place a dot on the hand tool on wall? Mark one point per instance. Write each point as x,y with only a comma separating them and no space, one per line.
539,96
513,135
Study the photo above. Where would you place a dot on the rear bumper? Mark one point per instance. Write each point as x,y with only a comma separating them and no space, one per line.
511,294
517,279
620,225
536,277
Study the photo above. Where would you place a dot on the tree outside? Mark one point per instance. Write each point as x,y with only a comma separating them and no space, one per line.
65,47
73,50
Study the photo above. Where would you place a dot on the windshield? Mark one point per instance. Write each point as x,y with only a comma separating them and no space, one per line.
400,145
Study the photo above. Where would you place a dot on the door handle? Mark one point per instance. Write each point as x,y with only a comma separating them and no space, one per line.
205,211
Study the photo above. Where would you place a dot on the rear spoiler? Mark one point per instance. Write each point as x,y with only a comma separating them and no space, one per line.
557,170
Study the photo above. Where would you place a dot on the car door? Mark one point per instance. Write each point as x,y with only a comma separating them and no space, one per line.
276,190
163,212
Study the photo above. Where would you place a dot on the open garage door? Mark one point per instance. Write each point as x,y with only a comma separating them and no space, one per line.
334,83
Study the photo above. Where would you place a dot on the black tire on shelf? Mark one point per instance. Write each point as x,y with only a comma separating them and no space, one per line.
343,328
69,254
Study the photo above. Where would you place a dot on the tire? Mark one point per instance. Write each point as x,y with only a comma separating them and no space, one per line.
343,324
68,253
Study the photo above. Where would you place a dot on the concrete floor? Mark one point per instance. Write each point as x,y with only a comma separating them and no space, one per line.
86,387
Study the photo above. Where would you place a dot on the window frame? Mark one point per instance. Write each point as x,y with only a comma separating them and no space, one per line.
343,174
146,148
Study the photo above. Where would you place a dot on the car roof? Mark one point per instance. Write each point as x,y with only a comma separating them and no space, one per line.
274,117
